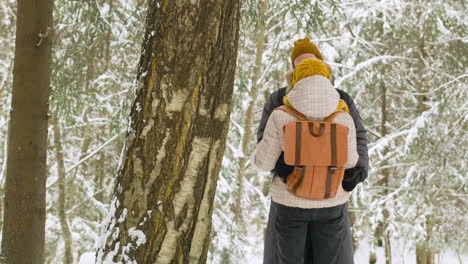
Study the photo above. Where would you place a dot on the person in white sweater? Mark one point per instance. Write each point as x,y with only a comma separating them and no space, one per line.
314,96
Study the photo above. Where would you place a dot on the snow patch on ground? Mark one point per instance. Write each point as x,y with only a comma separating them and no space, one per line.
87,258
401,253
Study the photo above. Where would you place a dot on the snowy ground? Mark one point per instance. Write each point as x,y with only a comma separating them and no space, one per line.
400,254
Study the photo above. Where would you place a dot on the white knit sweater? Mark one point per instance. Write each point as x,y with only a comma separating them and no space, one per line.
316,98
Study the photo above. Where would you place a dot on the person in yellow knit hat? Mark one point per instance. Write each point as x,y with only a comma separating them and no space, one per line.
313,96
303,49
311,67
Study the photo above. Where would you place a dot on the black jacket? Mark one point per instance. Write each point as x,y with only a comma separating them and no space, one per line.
352,176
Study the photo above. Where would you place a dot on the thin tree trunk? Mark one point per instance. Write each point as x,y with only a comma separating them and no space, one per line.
352,222
66,233
381,234
421,256
25,190
421,56
101,170
108,37
87,139
247,137
163,197
372,258
424,254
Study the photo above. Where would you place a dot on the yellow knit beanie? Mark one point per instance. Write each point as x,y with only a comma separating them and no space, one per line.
302,46
309,67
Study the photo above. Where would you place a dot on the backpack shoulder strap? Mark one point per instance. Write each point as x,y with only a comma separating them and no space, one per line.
292,112
332,116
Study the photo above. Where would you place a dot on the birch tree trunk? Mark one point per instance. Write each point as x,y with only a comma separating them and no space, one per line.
163,197
25,189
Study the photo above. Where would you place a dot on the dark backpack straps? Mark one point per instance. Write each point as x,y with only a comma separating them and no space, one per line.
332,168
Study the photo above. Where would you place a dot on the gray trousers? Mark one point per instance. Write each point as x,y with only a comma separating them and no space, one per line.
277,246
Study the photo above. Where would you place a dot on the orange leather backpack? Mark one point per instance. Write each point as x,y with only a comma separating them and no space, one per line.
319,152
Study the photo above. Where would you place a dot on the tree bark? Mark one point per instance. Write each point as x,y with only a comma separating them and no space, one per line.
25,189
66,233
163,197
424,254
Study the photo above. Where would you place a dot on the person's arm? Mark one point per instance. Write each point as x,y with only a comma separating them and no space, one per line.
281,169
359,173
269,106
361,136
268,150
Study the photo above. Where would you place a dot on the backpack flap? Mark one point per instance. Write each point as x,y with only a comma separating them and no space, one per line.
310,143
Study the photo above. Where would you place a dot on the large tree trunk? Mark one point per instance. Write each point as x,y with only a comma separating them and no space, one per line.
163,197
66,232
25,189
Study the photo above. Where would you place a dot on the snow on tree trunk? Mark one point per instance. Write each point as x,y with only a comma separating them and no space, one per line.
163,197
25,190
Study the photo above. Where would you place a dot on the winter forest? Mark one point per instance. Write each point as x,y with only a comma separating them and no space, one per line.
144,113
